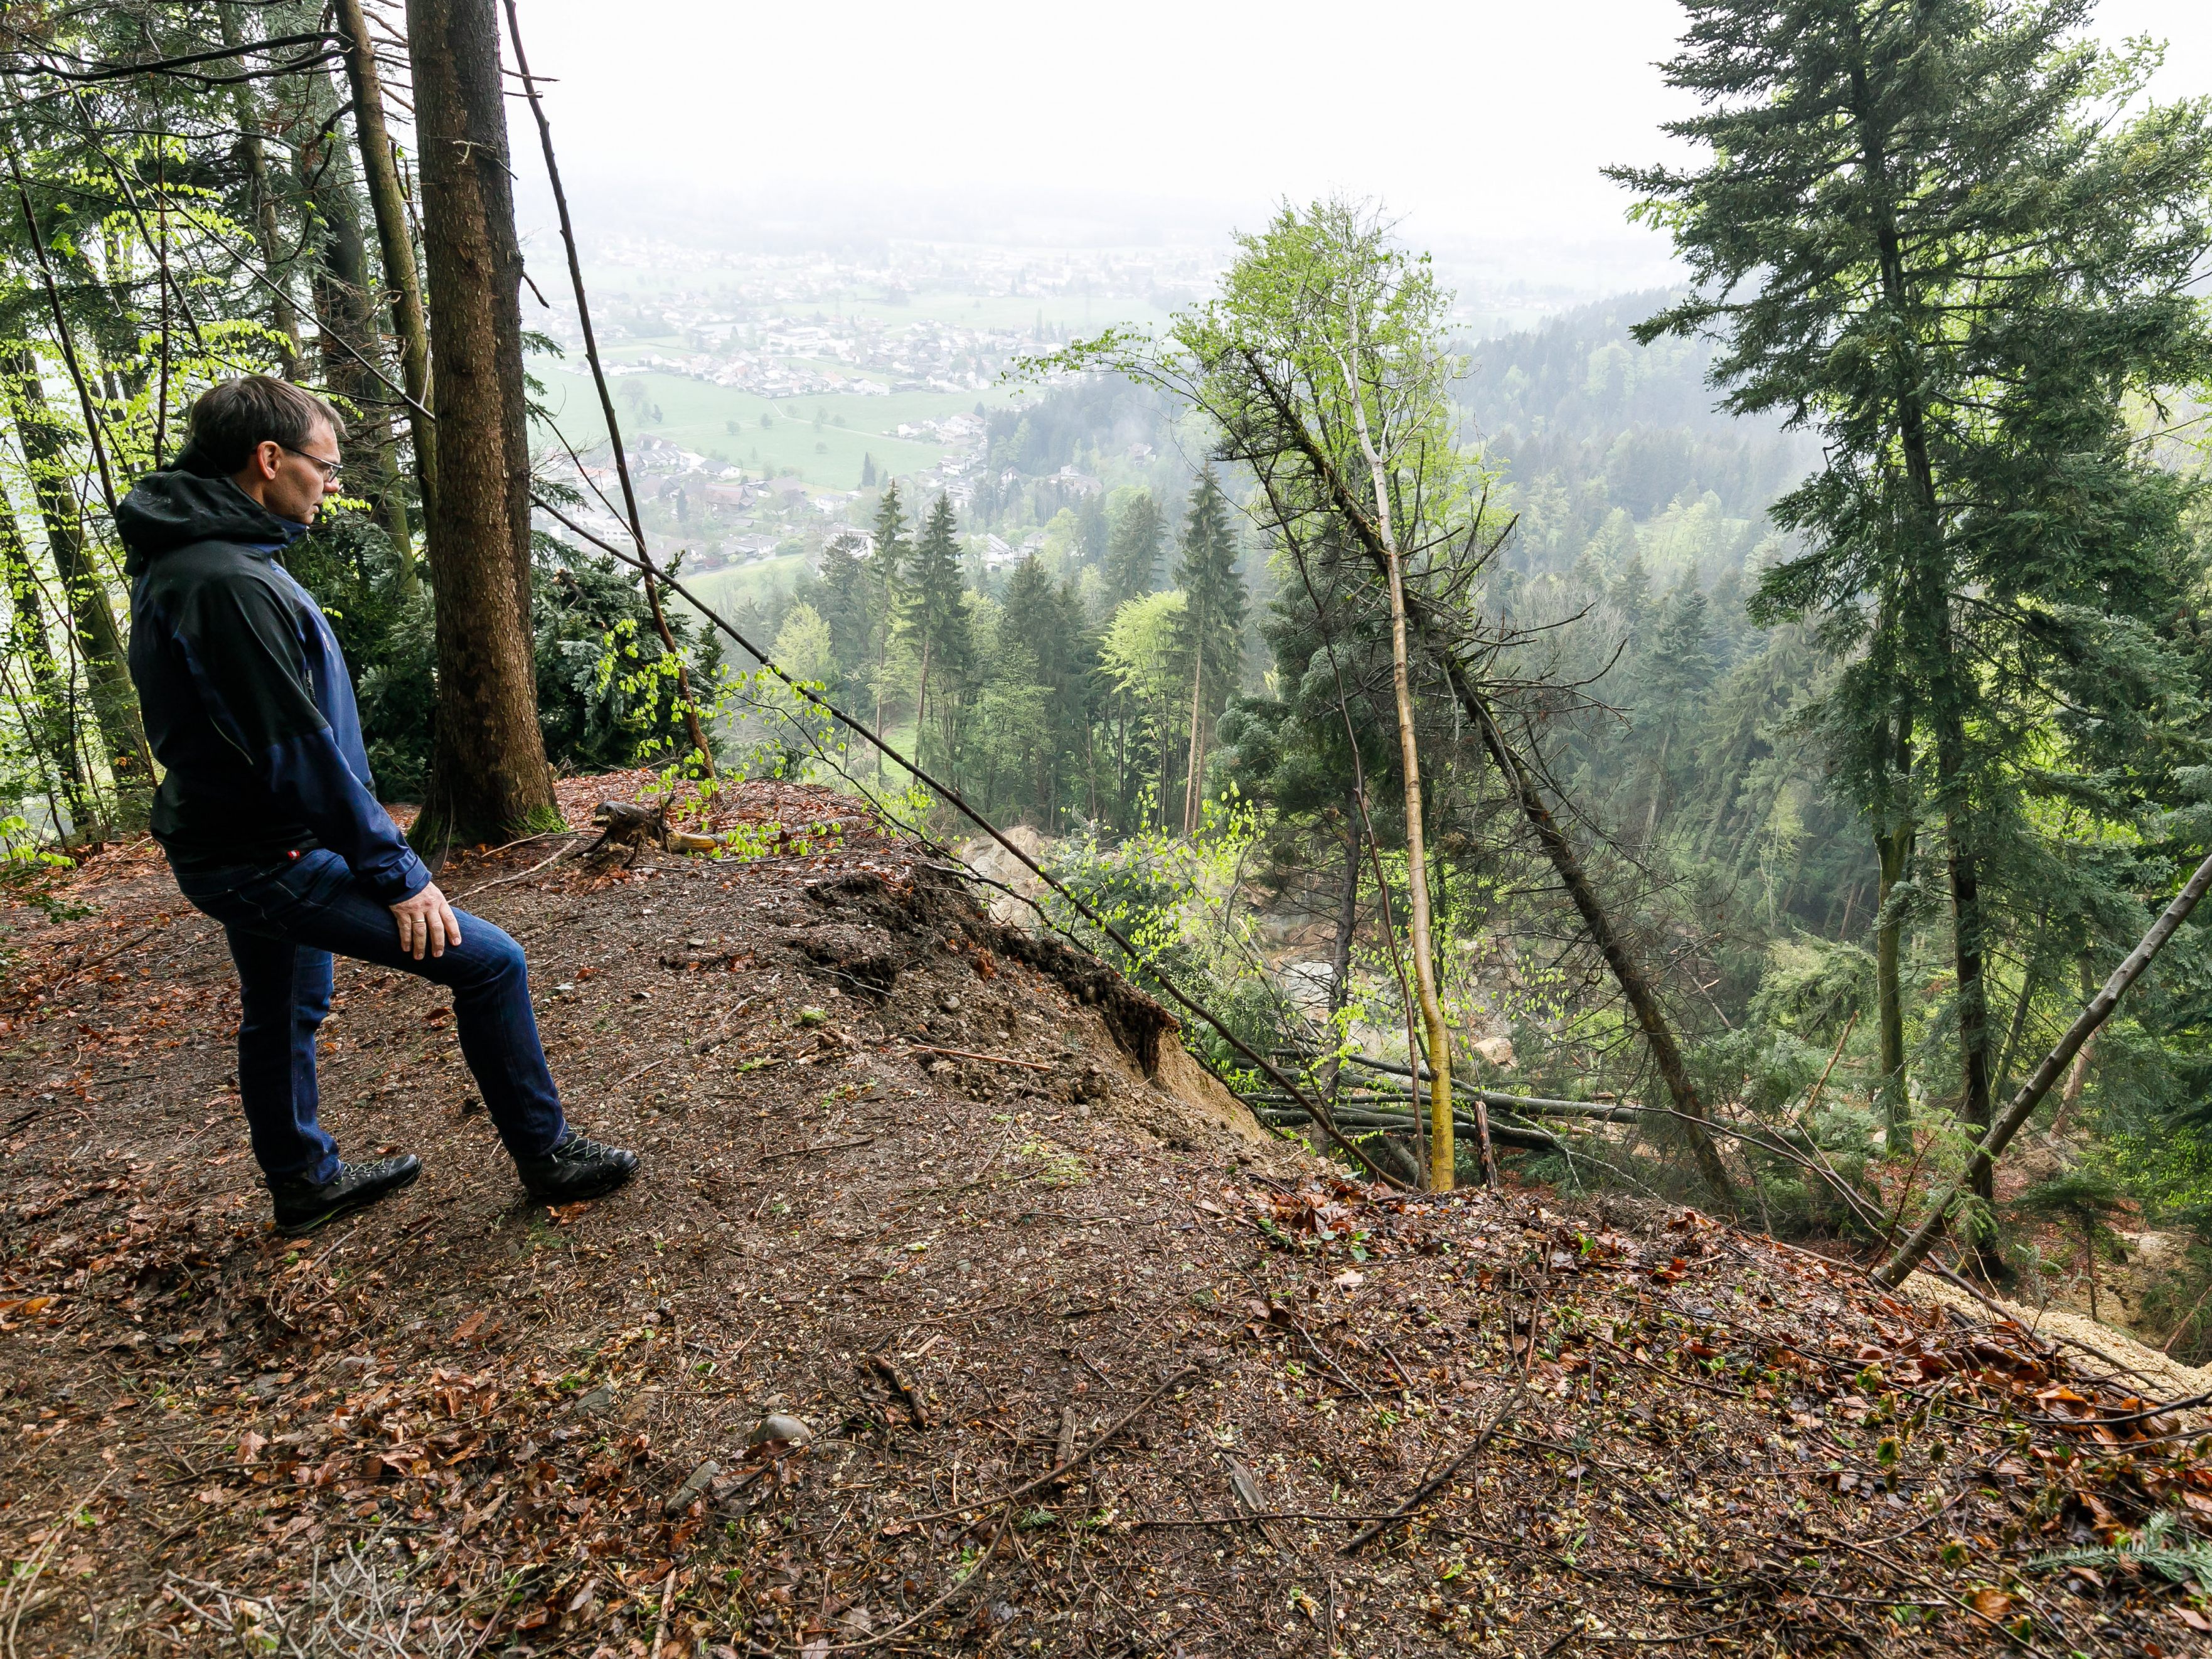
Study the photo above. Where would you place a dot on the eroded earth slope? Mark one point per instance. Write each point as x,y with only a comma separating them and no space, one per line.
947,1316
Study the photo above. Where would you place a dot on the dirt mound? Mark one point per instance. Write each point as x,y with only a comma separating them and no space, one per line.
935,1324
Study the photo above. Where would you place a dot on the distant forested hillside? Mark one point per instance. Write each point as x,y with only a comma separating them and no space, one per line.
1588,425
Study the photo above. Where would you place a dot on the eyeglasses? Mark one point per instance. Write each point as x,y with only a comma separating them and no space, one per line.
329,469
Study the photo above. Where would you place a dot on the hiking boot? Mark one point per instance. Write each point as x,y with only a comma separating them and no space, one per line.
577,1168
301,1205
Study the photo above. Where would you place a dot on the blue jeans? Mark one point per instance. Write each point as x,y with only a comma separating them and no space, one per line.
285,921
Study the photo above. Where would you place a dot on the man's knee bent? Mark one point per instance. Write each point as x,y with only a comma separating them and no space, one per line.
488,957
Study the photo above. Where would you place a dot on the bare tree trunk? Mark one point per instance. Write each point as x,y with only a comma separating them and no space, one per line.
395,245
266,234
2077,1076
1416,863
488,776
1894,849
107,674
1441,1161
1976,1105
1196,753
345,317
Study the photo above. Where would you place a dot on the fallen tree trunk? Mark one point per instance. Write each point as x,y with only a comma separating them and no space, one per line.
1642,1000
1525,1105
1909,1255
1527,1138
1439,636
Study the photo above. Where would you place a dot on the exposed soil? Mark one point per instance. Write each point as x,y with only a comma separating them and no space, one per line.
460,1423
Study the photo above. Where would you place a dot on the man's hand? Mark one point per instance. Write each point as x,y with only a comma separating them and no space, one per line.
426,919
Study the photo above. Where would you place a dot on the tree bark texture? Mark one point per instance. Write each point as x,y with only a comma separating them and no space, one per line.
345,316
488,780
1893,851
1441,1161
395,244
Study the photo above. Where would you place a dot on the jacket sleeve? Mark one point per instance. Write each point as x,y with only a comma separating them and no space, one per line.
239,641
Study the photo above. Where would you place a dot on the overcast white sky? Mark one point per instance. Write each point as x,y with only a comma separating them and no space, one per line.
1476,120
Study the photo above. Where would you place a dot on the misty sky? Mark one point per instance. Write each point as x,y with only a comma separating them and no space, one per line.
1477,121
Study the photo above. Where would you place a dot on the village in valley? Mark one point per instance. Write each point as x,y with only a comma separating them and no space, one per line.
765,399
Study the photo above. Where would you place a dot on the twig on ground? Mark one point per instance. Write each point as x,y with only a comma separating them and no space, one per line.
940,1603
486,886
882,1366
1367,1535
1054,1474
660,1630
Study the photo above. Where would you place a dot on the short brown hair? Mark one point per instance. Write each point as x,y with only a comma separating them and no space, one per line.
233,417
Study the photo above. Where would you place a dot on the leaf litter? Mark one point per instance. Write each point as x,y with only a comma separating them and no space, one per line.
889,1349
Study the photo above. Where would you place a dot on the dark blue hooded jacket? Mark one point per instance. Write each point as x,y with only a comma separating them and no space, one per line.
248,704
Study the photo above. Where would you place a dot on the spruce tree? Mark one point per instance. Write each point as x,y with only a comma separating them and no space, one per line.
1133,549
886,571
843,603
1671,679
933,621
1031,640
1945,235
1209,634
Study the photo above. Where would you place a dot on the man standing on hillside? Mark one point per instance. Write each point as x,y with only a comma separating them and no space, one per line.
266,816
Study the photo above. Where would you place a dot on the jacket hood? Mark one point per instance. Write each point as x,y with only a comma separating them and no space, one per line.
169,510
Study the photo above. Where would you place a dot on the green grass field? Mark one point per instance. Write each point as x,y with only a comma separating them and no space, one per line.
697,415
726,589
700,417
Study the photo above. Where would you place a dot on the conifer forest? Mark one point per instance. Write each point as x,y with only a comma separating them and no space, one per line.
1727,752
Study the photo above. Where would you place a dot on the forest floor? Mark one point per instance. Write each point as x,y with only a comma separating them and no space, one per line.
1081,1362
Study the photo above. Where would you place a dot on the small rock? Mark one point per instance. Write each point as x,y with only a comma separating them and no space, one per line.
811,1016
597,1401
1498,1051
696,943
950,1002
777,1426
695,1483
